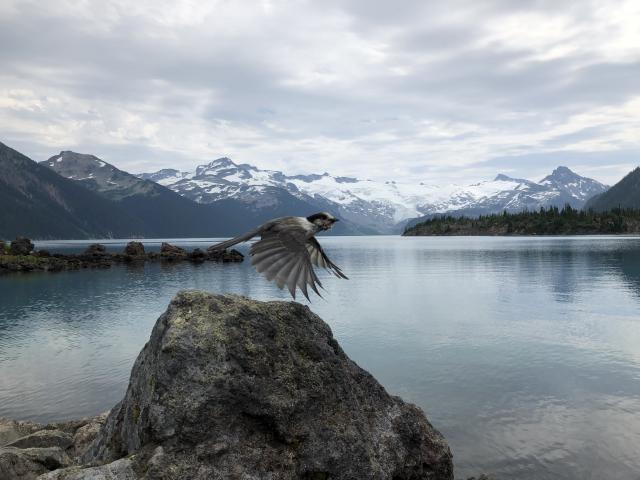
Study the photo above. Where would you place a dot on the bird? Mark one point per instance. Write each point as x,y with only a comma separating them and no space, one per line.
288,250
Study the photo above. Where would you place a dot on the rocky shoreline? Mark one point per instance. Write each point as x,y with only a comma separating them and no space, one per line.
232,388
20,256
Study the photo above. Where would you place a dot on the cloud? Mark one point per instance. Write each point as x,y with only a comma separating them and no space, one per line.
417,90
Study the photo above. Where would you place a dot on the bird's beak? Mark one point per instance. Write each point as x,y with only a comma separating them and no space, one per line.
336,220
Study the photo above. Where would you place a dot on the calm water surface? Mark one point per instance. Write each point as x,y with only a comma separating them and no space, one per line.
524,352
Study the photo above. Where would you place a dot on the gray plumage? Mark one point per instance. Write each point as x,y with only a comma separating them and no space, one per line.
288,250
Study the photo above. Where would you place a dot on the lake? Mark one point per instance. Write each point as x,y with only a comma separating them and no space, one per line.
524,352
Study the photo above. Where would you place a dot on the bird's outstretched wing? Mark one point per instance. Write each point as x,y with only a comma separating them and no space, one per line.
242,238
283,257
287,257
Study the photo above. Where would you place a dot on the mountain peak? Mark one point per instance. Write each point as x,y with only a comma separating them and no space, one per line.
217,164
78,160
501,177
97,175
560,174
563,171
569,183
164,177
222,161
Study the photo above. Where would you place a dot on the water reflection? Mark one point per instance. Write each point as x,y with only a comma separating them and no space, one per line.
523,351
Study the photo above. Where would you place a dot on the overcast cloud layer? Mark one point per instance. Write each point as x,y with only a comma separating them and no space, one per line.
411,90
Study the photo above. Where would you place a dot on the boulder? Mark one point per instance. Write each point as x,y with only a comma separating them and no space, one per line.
11,430
44,438
229,387
72,426
172,252
85,434
224,255
118,470
197,256
134,249
29,463
21,246
96,249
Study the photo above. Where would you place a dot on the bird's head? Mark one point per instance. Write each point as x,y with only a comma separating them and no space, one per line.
323,220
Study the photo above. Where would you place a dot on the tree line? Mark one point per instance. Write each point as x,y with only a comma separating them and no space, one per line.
545,221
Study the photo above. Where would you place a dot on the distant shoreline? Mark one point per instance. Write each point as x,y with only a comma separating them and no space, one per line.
531,235
551,222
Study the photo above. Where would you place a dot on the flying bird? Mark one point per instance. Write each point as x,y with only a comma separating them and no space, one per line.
288,250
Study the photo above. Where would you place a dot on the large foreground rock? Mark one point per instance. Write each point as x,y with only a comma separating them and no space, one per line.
230,388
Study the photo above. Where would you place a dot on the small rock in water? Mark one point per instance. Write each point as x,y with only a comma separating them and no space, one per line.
170,252
134,249
198,256
224,255
95,249
21,246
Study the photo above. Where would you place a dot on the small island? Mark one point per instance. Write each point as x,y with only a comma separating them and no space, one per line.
546,221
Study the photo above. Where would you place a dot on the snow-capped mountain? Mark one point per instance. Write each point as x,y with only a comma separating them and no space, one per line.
575,188
161,212
165,176
98,175
381,207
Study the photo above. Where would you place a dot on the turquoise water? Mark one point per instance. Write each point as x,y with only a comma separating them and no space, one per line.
524,352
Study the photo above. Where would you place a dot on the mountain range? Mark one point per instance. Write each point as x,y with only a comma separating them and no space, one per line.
376,207
74,195
80,196
159,211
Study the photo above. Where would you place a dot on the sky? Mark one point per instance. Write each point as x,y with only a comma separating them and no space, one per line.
408,90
